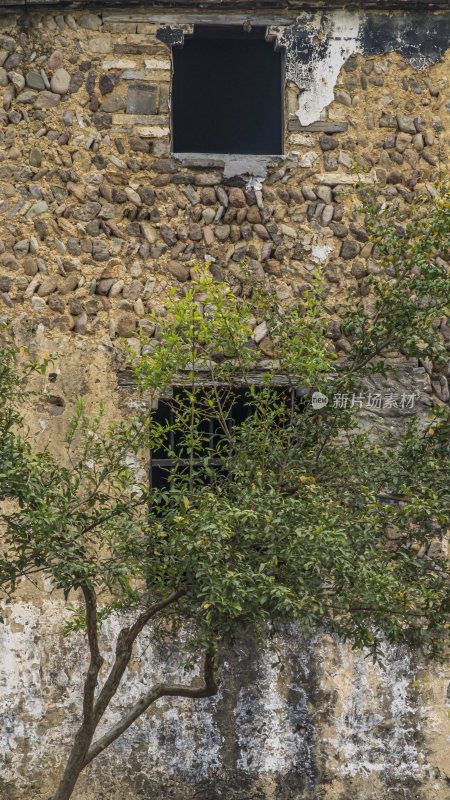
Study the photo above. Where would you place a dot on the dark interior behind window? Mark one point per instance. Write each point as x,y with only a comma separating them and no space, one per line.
226,93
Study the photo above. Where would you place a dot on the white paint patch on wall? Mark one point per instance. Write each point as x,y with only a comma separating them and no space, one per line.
176,736
263,708
339,34
376,725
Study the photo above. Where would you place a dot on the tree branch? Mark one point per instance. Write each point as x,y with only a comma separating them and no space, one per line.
124,648
209,689
96,659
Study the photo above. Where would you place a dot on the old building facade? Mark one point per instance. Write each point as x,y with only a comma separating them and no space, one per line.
136,141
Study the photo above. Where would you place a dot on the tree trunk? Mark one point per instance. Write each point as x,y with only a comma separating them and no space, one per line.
82,753
75,763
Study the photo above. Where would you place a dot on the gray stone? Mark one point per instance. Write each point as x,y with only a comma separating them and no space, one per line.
389,143
108,82
141,98
117,162
73,246
69,284
48,286
90,82
17,80
133,291
126,326
36,209
195,232
76,82
414,85
236,197
324,193
429,157
55,60
208,178
359,232
147,195
35,191
191,195
163,98
47,100
10,262
35,157
38,303
343,98
65,136
112,103
81,324
75,306
26,97
259,229
22,247
100,250
431,87
87,211
388,121
103,286
7,43
56,303
8,96
34,244
178,271
60,246
222,232
107,211
139,145
101,120
168,235
100,45
394,176
327,214
418,142
420,124
60,81
91,22
328,142
34,81
222,196
208,214
349,249
330,163
406,124
166,166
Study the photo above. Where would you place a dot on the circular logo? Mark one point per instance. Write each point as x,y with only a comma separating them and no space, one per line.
319,400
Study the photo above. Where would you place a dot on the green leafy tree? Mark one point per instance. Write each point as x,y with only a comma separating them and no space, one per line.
289,512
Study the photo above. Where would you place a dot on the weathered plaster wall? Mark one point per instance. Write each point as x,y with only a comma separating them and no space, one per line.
97,224
329,726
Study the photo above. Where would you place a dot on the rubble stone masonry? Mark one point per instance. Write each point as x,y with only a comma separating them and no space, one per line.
99,221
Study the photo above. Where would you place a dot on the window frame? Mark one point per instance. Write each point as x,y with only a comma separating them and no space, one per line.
269,39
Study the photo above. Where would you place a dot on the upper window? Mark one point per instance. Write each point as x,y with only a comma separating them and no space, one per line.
227,93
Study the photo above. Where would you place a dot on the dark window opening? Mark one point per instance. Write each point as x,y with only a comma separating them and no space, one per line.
227,93
172,459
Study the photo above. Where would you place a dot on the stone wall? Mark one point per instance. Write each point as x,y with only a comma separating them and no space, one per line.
99,221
